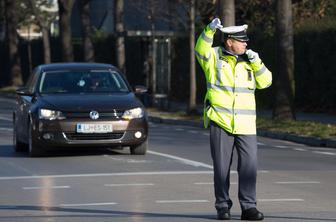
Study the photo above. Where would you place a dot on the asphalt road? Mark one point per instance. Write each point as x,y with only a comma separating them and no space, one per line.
173,182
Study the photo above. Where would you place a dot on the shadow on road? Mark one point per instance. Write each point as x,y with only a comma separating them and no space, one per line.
117,213
106,213
8,151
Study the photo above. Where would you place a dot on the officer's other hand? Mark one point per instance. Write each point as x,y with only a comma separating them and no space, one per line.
252,55
215,24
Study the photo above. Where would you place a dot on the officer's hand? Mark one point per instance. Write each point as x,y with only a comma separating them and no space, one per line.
215,24
252,56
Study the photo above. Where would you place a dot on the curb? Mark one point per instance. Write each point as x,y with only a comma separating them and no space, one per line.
308,140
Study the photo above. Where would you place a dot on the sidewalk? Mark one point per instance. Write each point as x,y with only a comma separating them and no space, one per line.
158,117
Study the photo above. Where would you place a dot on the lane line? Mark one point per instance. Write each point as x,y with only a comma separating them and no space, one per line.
46,188
261,144
183,160
204,183
280,200
182,201
300,149
193,131
108,174
324,153
297,182
281,147
128,184
5,129
87,204
5,118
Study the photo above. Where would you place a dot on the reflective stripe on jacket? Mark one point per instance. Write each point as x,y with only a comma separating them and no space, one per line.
231,82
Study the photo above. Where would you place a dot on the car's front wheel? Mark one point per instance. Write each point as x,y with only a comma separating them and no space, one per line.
17,144
33,148
139,149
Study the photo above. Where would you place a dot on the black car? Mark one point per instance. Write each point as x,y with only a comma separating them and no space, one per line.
78,105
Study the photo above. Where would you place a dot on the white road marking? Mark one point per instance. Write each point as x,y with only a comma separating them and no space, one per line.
281,147
193,131
45,188
325,153
280,200
204,183
183,160
261,144
5,129
128,184
206,134
300,149
108,174
87,204
182,201
179,129
6,118
297,182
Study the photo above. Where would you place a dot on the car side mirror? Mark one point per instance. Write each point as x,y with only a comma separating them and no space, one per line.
139,89
23,92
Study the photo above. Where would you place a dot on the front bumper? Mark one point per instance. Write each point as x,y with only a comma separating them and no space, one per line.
62,133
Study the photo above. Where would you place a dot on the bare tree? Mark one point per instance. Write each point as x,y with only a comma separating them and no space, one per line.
12,38
44,19
84,10
284,81
120,44
65,7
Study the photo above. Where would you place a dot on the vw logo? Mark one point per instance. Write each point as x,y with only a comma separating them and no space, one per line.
94,115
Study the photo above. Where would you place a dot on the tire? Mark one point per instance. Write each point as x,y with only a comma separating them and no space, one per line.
139,149
18,145
34,149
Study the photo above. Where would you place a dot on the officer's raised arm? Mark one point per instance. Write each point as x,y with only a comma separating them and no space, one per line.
203,49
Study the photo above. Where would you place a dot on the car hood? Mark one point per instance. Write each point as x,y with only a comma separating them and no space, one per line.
88,102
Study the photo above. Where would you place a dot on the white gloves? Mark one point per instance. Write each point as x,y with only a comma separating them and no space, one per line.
215,24
252,56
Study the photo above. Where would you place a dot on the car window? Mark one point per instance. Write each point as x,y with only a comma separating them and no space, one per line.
82,82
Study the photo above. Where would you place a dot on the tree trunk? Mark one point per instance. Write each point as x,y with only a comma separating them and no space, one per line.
192,96
284,81
44,26
15,78
120,45
65,7
227,12
46,44
84,10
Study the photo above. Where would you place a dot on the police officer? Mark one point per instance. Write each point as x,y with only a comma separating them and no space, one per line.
232,74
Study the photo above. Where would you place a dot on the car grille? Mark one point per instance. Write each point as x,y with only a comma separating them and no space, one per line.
94,136
116,114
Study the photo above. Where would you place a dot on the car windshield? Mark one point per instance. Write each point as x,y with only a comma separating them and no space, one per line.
82,82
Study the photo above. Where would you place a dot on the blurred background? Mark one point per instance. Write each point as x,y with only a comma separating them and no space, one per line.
152,43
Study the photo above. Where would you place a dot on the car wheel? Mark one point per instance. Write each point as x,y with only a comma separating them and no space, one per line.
33,148
139,149
18,146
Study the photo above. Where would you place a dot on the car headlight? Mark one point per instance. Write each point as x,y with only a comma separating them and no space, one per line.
133,113
50,114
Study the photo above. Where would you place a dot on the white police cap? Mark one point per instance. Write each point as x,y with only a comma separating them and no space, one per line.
236,32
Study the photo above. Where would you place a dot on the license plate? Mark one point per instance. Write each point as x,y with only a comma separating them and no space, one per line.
94,128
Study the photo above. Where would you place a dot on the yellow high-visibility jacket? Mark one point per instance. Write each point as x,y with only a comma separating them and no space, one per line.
231,82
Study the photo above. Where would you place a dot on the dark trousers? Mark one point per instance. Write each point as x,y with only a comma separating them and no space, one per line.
222,144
